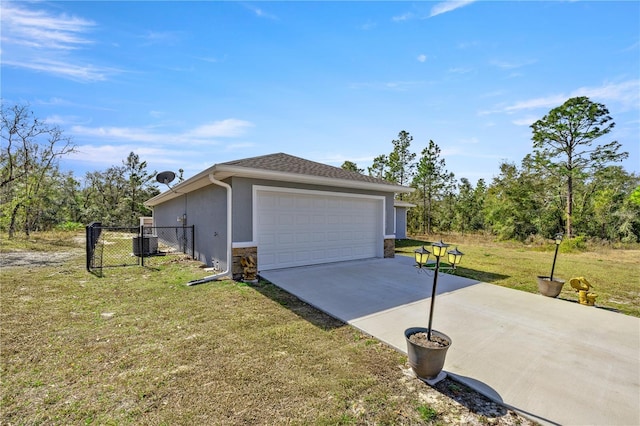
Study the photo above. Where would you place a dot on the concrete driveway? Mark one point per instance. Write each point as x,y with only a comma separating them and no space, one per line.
555,361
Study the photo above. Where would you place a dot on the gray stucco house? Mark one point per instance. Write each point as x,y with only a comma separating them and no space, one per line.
284,211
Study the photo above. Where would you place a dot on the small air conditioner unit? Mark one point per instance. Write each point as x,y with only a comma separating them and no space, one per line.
148,246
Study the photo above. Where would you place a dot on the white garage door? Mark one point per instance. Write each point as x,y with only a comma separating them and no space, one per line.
304,228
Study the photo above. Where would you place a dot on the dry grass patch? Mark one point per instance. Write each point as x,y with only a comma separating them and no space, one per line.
140,347
614,272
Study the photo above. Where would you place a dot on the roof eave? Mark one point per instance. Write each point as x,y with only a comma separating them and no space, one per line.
402,203
222,171
193,183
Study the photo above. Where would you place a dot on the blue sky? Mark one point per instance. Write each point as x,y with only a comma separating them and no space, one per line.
191,84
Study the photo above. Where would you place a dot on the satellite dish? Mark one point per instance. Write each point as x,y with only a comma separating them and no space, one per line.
165,177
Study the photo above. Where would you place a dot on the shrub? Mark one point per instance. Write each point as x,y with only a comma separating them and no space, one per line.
70,226
575,244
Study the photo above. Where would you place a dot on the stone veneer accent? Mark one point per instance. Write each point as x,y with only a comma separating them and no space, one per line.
389,247
238,254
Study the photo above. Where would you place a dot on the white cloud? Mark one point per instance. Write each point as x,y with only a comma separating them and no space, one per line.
460,70
41,41
470,141
437,9
239,146
633,46
468,44
113,155
203,134
226,128
422,58
55,119
525,121
260,13
163,38
509,65
210,59
546,102
63,69
493,94
448,6
108,153
39,29
119,133
369,25
403,17
626,93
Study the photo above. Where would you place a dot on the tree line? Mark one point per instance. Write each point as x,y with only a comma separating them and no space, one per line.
35,195
569,183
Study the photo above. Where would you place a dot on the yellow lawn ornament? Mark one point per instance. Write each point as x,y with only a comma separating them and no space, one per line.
582,286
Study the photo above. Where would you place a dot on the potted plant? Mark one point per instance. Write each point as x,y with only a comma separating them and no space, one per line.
427,348
548,286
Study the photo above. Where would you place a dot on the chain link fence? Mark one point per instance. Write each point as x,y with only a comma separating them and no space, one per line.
109,246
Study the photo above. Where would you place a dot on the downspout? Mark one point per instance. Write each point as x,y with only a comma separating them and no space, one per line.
225,273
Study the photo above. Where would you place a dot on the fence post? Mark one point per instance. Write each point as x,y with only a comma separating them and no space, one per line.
184,239
88,245
93,231
141,244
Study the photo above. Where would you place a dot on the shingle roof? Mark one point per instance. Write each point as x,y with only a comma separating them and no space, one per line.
280,167
285,163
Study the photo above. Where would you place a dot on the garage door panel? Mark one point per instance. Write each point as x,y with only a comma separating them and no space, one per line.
333,219
319,203
304,257
303,220
268,258
296,229
285,218
267,239
333,236
267,220
317,255
286,238
303,238
267,202
285,202
285,257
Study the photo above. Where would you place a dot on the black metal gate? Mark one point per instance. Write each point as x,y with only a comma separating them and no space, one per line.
111,246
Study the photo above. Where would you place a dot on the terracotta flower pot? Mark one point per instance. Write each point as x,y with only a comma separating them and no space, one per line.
549,288
426,362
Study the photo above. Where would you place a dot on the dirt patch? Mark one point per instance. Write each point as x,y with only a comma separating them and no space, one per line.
35,258
454,403
422,339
